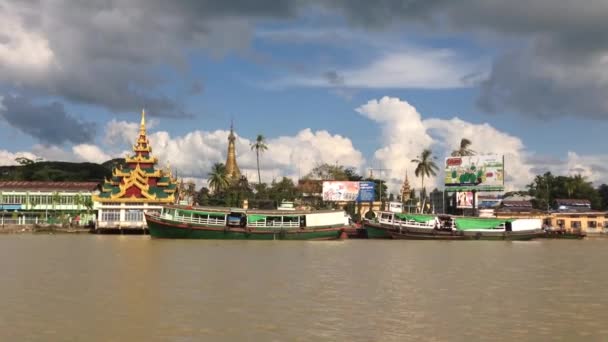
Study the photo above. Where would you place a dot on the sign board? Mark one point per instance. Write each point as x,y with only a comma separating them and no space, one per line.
367,192
464,200
349,191
395,207
479,173
340,191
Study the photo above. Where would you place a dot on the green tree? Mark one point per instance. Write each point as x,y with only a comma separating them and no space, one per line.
603,193
203,195
78,201
330,172
259,146
425,167
463,150
88,204
55,199
218,178
285,189
24,161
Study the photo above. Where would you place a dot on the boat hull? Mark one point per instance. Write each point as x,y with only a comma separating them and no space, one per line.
413,233
160,228
556,234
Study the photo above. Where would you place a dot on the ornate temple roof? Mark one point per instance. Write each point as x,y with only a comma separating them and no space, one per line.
140,181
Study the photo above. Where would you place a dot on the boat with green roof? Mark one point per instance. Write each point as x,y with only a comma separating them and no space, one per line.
391,225
188,222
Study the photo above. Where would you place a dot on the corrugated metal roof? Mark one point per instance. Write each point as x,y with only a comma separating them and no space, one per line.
568,201
47,186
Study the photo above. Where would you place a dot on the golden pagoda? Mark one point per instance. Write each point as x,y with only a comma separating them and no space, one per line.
139,181
406,190
232,169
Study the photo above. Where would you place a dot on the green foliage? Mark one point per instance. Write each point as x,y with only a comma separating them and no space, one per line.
463,150
55,171
547,188
218,178
333,172
259,146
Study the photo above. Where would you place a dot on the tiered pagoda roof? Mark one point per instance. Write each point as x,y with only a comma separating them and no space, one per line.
140,181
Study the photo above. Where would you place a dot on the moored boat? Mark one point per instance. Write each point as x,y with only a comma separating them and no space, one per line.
562,234
225,223
445,227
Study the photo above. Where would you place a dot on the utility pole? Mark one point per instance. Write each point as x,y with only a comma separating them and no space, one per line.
371,175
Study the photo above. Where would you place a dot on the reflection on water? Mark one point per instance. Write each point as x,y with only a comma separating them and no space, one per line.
99,288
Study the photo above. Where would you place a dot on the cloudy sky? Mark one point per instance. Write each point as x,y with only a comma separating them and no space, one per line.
367,84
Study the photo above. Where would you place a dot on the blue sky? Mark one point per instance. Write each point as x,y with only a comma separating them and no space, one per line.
279,69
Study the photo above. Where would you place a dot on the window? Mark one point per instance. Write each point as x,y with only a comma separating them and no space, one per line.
575,224
112,204
592,224
134,216
110,215
560,223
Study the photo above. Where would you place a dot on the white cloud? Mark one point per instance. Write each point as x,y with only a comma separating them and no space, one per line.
194,154
400,67
406,134
8,158
90,153
21,48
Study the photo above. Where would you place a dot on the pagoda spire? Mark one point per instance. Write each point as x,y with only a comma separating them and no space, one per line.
142,125
406,190
232,169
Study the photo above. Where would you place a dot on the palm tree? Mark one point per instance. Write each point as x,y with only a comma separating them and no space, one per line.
259,146
218,178
425,167
463,150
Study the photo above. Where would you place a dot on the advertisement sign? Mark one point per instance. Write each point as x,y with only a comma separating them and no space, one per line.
479,173
464,200
395,207
367,192
340,191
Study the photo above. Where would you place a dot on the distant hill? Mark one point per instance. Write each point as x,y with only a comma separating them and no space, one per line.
59,171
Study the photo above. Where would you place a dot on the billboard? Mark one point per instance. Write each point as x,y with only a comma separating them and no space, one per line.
464,200
479,173
348,191
340,191
367,192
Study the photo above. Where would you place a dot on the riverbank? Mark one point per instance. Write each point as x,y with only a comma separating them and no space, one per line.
52,229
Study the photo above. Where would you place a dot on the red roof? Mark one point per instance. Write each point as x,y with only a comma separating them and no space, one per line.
48,186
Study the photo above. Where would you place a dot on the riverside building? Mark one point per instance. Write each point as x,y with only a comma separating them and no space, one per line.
36,202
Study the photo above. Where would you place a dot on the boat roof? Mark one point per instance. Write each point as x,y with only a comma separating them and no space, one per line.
227,210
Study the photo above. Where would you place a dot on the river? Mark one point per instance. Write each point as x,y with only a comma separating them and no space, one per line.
133,288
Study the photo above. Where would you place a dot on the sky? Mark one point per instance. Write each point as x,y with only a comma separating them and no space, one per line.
364,84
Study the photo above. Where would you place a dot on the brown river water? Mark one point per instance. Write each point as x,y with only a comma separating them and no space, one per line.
133,288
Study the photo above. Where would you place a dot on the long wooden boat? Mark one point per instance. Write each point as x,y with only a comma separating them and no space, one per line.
562,234
444,227
180,222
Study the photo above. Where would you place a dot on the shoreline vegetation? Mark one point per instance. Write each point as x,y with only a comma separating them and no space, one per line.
42,229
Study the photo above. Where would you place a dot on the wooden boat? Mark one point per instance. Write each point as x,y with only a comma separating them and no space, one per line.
225,223
562,234
445,227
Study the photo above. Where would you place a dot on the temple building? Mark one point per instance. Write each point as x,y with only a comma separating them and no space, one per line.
134,189
232,169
